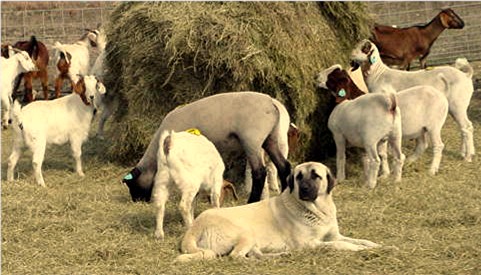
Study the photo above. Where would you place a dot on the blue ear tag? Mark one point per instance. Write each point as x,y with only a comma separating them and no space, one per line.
372,59
342,93
128,177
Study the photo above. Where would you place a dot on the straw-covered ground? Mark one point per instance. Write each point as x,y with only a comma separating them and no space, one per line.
426,224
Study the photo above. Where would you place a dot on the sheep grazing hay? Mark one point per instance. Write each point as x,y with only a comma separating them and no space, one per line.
171,53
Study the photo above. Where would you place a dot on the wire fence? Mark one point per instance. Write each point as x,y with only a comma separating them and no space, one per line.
452,43
65,22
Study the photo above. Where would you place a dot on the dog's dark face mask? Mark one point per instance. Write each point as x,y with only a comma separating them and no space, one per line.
308,185
137,191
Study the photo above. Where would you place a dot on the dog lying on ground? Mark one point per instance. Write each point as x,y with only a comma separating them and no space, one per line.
304,215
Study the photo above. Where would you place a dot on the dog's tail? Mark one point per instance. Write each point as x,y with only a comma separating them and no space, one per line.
463,65
192,251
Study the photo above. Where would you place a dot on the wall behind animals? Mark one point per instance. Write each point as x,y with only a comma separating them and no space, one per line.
451,44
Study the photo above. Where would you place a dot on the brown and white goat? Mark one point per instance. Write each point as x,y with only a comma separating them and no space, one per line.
73,60
39,54
400,46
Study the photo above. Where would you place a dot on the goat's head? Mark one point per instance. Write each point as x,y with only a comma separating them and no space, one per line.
450,20
90,89
365,52
91,37
25,61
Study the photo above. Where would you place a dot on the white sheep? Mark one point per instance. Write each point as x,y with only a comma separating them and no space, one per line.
368,122
71,122
192,162
19,62
456,85
423,108
73,60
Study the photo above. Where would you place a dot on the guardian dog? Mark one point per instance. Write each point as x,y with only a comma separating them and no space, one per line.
304,215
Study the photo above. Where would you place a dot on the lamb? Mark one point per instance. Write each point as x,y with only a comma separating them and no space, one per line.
192,162
18,63
248,120
368,122
456,85
73,59
71,122
417,118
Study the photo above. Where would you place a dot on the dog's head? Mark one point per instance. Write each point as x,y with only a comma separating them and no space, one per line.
311,180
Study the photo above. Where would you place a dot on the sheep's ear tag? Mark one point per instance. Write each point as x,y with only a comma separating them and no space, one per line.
372,59
341,93
128,177
193,131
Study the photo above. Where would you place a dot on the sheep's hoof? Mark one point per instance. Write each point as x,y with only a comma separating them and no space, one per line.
159,235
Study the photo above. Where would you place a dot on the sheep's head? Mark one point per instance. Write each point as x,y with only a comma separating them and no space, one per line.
90,89
365,52
322,76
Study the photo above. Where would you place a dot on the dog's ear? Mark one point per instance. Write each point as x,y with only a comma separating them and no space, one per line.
331,181
290,182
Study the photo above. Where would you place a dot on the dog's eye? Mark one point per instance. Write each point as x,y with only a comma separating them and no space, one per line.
299,176
314,175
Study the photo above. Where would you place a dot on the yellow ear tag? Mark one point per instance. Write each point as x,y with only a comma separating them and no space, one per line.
193,131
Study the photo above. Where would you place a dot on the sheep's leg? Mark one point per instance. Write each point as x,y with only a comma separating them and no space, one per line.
382,149
37,160
216,190
76,147
272,182
340,157
438,147
258,181
373,165
185,205
277,151
13,158
160,194
421,143
467,149
398,157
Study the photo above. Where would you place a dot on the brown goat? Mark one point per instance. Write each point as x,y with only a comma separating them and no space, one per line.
39,54
400,46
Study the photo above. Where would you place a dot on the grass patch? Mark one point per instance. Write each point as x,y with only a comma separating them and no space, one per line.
426,224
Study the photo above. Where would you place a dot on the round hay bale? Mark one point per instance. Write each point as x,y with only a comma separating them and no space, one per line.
165,54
